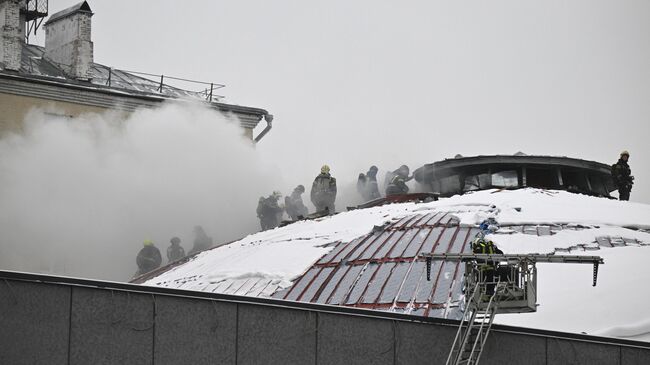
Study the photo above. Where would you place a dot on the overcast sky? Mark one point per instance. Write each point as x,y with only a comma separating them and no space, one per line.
354,83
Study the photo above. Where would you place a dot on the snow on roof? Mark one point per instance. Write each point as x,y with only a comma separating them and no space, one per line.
342,260
34,63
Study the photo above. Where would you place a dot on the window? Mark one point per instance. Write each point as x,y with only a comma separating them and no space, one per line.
477,182
505,179
575,180
541,178
450,185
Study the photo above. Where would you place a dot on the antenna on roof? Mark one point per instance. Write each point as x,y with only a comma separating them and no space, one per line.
34,11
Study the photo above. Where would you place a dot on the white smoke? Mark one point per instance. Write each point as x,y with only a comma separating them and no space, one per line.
78,196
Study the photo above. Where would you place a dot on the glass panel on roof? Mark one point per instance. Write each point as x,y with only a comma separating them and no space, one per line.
354,246
406,239
444,282
316,284
431,240
378,282
376,245
340,284
302,283
505,179
415,243
417,273
395,240
335,251
426,286
445,242
459,242
389,294
361,284
359,249
477,182
457,289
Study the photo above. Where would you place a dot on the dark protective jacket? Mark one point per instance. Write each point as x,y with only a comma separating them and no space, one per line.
323,191
175,252
148,259
481,246
294,206
622,175
269,212
397,186
201,242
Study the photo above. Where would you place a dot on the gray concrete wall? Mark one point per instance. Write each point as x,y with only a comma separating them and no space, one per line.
62,323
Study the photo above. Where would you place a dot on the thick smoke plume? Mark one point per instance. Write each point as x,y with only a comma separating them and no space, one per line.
78,196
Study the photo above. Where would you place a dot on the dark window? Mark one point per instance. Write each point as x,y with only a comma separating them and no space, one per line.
598,185
541,178
575,180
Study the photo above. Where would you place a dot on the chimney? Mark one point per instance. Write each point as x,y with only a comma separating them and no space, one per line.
67,41
12,34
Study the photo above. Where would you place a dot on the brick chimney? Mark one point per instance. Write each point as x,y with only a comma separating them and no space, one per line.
12,34
67,41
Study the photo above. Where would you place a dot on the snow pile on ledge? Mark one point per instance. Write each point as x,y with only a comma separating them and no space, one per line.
568,302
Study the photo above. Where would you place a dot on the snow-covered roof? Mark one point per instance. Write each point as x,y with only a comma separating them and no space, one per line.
33,63
369,258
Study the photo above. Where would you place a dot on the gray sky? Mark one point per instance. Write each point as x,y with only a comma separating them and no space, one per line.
372,82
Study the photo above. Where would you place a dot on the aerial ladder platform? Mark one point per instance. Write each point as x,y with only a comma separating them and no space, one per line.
509,287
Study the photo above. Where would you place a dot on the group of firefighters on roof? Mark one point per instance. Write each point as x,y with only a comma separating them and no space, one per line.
149,257
323,195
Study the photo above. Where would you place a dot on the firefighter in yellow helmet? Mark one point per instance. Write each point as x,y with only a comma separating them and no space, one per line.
323,191
149,258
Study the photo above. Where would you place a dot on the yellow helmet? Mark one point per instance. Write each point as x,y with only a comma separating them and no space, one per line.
325,169
147,242
625,153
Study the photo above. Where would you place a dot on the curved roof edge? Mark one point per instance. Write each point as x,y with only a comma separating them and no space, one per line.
459,162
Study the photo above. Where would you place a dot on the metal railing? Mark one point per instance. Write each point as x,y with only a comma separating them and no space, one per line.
208,92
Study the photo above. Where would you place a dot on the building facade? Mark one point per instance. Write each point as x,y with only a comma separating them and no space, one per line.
62,77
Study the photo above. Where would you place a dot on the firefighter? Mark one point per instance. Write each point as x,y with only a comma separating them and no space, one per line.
372,189
621,174
367,184
201,241
397,184
323,191
362,182
148,258
294,205
269,211
487,268
175,251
